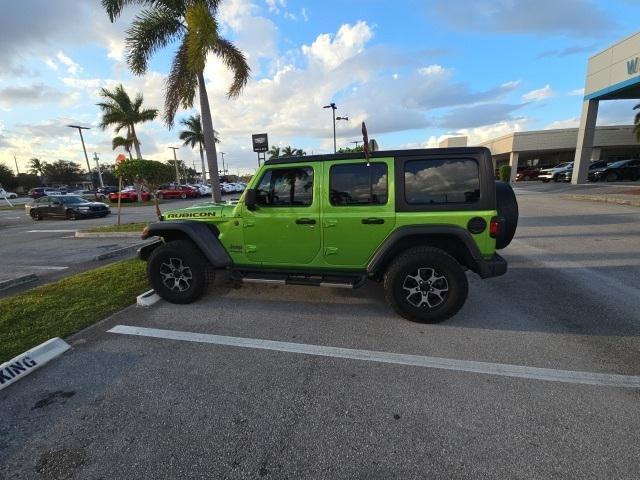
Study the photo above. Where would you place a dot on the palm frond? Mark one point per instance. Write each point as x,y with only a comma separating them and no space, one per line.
151,30
235,60
181,85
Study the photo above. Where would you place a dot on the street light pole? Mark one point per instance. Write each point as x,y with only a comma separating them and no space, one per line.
333,108
175,162
16,160
84,149
95,157
223,167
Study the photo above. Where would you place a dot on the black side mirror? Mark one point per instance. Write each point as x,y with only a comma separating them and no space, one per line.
250,198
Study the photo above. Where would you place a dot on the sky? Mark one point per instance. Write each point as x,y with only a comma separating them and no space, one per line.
414,71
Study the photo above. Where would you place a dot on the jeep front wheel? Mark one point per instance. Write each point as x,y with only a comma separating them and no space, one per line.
426,285
178,272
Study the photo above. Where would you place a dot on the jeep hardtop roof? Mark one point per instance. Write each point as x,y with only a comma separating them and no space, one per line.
381,154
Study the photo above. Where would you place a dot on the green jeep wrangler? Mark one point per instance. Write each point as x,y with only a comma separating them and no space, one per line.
413,219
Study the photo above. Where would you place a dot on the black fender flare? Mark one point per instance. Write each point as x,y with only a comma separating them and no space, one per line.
382,256
204,236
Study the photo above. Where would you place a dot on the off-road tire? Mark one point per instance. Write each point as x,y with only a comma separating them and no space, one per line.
35,216
425,258
187,253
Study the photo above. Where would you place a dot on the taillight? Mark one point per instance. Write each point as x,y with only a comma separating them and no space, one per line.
495,227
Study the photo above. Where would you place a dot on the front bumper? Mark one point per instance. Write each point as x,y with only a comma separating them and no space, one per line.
495,267
92,213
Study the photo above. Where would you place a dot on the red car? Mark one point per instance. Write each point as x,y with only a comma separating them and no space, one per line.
177,191
527,174
129,195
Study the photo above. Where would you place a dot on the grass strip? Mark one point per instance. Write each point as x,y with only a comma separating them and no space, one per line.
62,308
125,227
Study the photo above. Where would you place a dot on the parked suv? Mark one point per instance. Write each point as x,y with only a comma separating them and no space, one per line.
413,219
548,174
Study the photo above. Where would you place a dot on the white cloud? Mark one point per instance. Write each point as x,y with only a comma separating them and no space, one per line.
72,67
567,123
489,132
431,70
539,94
50,63
578,92
332,51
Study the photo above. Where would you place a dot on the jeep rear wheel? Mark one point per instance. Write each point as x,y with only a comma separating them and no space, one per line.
426,285
178,272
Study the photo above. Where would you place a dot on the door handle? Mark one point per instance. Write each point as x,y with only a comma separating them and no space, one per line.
306,221
373,221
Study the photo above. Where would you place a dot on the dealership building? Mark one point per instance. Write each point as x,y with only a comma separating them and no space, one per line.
613,74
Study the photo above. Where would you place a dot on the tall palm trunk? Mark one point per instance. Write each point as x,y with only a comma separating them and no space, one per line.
209,142
204,175
136,143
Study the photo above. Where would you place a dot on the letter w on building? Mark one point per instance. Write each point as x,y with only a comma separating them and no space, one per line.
632,66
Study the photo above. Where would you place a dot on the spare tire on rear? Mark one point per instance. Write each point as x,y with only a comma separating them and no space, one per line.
507,206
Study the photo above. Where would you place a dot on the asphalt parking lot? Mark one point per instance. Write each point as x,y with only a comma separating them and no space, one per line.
221,401
49,249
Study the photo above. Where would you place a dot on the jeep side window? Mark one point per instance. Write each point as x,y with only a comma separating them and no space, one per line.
286,187
358,184
441,181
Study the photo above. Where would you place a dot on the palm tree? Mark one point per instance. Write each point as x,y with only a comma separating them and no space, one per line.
292,152
36,167
124,142
274,152
120,112
193,25
193,136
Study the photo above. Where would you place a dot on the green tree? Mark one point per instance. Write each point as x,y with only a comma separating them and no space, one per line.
148,173
7,179
274,152
193,25
636,123
120,112
356,149
193,135
63,171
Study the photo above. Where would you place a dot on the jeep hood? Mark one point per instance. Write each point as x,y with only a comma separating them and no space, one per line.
207,212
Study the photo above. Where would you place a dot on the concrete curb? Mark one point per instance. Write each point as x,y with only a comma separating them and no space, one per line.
13,282
147,299
108,234
120,251
25,363
606,199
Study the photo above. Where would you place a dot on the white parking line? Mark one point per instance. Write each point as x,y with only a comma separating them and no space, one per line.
501,369
50,231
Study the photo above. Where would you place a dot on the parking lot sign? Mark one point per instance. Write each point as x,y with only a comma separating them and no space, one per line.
260,142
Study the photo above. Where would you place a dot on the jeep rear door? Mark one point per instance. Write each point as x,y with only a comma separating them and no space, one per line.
358,210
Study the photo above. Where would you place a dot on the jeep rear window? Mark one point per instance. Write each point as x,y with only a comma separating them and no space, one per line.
441,181
358,184
286,187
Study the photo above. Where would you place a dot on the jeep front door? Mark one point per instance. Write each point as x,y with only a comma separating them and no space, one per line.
284,228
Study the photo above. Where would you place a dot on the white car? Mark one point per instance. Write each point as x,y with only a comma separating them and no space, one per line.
548,174
5,194
226,188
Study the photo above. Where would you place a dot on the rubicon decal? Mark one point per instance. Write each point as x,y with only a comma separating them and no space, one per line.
191,215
